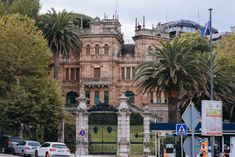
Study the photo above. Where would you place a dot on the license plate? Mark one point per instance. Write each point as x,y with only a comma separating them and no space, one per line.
60,151
34,147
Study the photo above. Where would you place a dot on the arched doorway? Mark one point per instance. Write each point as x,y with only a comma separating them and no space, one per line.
102,129
131,97
71,99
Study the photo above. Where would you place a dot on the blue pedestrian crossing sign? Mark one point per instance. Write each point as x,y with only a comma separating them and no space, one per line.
181,129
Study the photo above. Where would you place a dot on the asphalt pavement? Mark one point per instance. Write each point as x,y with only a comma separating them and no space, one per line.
7,155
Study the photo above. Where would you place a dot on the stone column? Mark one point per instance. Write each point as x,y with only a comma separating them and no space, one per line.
146,115
81,124
123,133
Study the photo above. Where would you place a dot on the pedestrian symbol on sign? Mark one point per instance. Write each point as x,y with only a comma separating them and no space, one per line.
181,129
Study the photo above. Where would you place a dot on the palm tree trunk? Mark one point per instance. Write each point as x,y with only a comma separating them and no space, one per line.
56,65
172,107
56,77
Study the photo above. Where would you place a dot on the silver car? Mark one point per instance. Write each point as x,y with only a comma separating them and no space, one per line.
26,148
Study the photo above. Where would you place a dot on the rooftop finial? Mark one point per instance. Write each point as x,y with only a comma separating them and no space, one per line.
143,21
136,23
116,11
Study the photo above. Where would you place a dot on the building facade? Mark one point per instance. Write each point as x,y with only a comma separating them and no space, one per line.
105,66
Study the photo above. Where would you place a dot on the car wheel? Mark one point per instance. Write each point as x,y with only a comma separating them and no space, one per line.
47,154
36,154
22,153
13,152
3,150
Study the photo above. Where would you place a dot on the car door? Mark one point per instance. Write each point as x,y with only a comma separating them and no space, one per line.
19,147
43,149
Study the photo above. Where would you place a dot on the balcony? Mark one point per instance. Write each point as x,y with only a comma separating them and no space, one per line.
96,81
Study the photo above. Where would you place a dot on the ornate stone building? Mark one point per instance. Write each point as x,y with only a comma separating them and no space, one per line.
106,65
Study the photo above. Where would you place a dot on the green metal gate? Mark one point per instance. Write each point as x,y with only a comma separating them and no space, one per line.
136,131
102,129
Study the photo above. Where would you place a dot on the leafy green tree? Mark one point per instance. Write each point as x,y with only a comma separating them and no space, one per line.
173,66
225,57
62,35
27,93
223,72
198,43
28,8
77,20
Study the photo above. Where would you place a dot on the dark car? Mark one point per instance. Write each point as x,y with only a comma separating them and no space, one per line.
7,143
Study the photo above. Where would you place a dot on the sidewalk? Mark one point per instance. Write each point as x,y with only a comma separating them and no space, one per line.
72,155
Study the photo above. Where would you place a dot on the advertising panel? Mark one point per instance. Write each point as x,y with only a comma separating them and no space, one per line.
212,118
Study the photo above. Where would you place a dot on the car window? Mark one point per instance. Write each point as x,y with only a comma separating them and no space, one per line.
34,144
15,139
22,143
46,145
59,146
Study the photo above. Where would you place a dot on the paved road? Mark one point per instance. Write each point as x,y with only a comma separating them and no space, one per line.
7,155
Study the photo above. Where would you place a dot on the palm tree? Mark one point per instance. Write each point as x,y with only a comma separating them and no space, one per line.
63,39
62,35
173,66
224,87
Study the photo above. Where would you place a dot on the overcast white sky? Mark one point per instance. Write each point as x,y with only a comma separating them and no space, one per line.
223,15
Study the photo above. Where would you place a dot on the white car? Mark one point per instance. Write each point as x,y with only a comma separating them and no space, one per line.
26,148
52,149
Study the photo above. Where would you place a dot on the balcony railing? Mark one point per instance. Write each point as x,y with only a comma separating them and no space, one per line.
96,81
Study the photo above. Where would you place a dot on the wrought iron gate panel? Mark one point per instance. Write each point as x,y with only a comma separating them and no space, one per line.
102,130
136,131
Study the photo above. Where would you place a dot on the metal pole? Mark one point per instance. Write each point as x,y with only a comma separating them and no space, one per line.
155,138
192,129
159,145
211,76
211,58
181,142
80,154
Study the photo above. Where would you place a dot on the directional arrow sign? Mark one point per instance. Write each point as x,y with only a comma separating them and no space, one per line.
181,129
82,132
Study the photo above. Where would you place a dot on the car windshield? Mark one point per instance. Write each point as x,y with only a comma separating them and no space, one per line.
15,139
34,144
59,146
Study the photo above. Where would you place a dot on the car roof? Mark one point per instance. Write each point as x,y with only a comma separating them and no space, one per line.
31,141
55,142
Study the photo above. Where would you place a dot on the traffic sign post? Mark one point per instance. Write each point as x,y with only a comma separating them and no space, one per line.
82,133
191,117
181,130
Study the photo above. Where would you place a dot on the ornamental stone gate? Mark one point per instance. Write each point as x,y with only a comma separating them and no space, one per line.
107,129
102,129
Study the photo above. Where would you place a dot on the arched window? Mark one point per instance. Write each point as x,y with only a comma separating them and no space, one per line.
71,98
96,49
131,97
106,49
150,48
88,49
